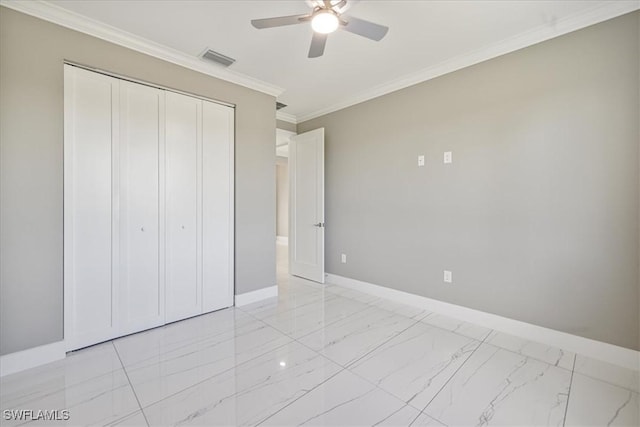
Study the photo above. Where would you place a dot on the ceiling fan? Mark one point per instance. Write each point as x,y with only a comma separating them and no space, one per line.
326,17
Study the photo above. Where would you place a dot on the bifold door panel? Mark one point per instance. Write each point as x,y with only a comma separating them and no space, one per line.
184,141
148,207
217,184
141,295
91,106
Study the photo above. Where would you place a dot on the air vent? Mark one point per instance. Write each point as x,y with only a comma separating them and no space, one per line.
218,58
280,105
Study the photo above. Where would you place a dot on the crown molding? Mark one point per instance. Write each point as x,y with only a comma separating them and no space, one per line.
57,15
594,15
286,117
63,17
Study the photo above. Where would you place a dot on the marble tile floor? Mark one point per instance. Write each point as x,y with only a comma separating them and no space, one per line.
325,355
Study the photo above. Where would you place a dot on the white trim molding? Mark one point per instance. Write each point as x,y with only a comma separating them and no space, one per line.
30,358
599,13
610,353
286,117
282,239
66,18
255,296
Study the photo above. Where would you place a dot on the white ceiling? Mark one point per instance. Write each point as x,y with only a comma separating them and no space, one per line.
426,38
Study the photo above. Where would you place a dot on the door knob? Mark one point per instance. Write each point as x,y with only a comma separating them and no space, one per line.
320,225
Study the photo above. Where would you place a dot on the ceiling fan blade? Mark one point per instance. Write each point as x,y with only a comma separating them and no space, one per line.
364,28
279,21
340,7
317,45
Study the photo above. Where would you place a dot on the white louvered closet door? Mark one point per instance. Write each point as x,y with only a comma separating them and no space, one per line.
141,143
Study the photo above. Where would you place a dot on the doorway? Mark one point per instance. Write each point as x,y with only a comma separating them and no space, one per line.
282,205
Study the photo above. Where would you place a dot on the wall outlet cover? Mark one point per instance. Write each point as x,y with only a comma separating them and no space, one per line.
448,157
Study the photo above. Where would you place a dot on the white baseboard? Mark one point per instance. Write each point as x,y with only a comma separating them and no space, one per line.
282,239
610,353
251,297
30,358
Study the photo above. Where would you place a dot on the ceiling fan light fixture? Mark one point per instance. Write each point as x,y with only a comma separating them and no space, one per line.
325,21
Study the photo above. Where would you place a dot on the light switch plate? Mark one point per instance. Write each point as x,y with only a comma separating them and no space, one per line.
448,157
448,276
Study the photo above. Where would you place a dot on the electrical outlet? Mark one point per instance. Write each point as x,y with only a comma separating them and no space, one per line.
344,258
448,157
448,276
420,160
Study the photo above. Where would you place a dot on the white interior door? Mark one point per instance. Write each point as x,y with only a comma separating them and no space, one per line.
183,198
91,135
141,289
306,205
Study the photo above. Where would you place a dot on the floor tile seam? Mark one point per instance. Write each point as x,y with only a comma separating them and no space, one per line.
367,328
134,366
133,390
457,333
300,397
424,410
352,363
293,339
319,328
422,319
212,376
383,389
421,411
388,393
484,341
429,312
566,407
75,384
288,310
349,364
116,421
607,382
346,367
71,408
528,357
432,417
377,299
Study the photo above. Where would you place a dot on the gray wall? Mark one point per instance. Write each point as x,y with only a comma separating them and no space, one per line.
31,122
281,124
282,197
537,217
